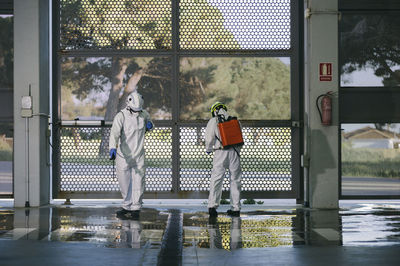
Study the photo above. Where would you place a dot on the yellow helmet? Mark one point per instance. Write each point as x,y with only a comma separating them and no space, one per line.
216,106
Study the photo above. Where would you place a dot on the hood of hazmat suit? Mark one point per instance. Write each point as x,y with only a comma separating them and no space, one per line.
134,102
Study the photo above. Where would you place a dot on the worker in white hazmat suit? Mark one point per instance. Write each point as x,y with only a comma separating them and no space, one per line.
228,158
127,148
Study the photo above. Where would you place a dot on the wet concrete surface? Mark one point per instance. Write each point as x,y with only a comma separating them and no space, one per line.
185,235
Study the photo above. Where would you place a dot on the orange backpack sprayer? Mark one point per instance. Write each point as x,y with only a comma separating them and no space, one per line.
230,132
229,129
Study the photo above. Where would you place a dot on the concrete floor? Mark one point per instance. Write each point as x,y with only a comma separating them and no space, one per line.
180,232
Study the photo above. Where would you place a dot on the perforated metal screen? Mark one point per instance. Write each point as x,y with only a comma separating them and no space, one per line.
147,24
234,24
85,167
195,164
266,160
115,24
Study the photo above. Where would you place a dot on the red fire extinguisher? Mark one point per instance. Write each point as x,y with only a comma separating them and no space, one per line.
326,107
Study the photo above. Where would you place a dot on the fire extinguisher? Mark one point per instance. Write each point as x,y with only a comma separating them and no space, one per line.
326,107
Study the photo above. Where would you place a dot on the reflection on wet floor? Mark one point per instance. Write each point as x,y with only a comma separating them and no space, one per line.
237,232
108,230
365,225
371,225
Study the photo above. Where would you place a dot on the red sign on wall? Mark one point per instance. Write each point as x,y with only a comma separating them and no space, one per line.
325,72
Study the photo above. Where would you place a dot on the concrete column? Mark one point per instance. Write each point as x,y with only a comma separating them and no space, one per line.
321,141
31,68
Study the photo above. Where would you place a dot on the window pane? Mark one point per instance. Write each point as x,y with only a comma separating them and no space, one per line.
6,158
6,104
370,50
115,24
370,159
252,88
95,88
237,24
6,52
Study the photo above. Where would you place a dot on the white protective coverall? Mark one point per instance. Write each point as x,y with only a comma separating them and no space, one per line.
223,159
127,135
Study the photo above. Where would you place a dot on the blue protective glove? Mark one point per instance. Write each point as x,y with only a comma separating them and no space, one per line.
149,125
113,154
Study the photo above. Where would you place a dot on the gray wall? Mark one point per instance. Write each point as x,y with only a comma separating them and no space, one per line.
321,142
31,67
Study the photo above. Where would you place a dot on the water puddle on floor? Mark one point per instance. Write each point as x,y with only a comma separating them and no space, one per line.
366,225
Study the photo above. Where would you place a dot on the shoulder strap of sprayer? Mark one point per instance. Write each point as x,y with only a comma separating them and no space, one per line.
220,119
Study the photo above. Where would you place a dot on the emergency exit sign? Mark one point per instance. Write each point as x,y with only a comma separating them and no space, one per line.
325,71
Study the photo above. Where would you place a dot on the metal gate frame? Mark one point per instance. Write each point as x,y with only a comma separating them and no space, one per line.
295,123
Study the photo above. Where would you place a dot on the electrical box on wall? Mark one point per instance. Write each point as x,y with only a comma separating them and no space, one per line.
26,106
